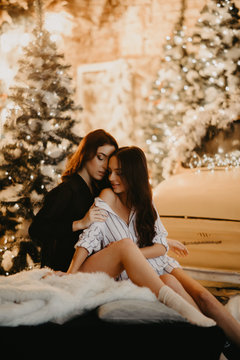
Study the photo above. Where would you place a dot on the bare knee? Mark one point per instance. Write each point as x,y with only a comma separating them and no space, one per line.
124,244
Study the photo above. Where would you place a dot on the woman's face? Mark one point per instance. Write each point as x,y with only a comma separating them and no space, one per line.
115,177
97,166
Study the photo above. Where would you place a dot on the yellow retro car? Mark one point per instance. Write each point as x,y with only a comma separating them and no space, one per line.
201,208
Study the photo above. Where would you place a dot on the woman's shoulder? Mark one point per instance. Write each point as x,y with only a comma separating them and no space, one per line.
59,191
108,196
61,187
74,184
67,188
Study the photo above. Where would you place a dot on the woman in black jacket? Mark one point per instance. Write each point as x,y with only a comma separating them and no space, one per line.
68,208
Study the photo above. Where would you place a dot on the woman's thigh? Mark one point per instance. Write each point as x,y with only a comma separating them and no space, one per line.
106,260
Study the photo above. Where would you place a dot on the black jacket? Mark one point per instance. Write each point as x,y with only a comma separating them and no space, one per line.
51,228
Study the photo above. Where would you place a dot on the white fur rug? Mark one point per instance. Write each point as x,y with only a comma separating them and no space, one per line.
28,299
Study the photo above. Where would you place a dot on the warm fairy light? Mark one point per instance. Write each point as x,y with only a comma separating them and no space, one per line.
226,160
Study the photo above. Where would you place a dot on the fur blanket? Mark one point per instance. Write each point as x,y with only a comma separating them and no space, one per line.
28,299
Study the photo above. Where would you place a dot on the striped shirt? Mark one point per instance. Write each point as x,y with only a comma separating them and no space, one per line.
99,234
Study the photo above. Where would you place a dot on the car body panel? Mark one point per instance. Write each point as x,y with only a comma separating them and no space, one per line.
202,210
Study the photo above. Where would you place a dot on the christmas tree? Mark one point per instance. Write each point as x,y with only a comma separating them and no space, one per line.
199,99
207,136
38,137
169,98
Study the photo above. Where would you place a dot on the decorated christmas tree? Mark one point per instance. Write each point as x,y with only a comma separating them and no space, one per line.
169,98
199,100
39,134
208,134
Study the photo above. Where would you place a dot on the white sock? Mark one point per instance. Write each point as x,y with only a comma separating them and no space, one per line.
173,300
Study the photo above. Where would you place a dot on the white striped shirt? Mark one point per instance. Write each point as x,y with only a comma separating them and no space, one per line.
99,234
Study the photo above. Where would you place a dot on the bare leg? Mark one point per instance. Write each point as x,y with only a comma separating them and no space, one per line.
124,254
120,255
210,306
174,284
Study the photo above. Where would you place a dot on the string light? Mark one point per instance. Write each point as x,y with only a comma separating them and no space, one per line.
220,159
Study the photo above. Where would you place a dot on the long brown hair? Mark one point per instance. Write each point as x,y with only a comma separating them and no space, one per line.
86,150
134,173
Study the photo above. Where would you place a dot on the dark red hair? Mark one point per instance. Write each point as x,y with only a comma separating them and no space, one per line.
87,149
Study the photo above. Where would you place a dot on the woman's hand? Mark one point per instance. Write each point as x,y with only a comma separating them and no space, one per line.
60,273
93,214
177,247
52,272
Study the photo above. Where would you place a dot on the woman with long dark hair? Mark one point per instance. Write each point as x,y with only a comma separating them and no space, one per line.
68,208
132,233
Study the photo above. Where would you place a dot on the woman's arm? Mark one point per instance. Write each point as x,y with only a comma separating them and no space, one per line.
153,251
159,250
51,220
79,257
89,241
